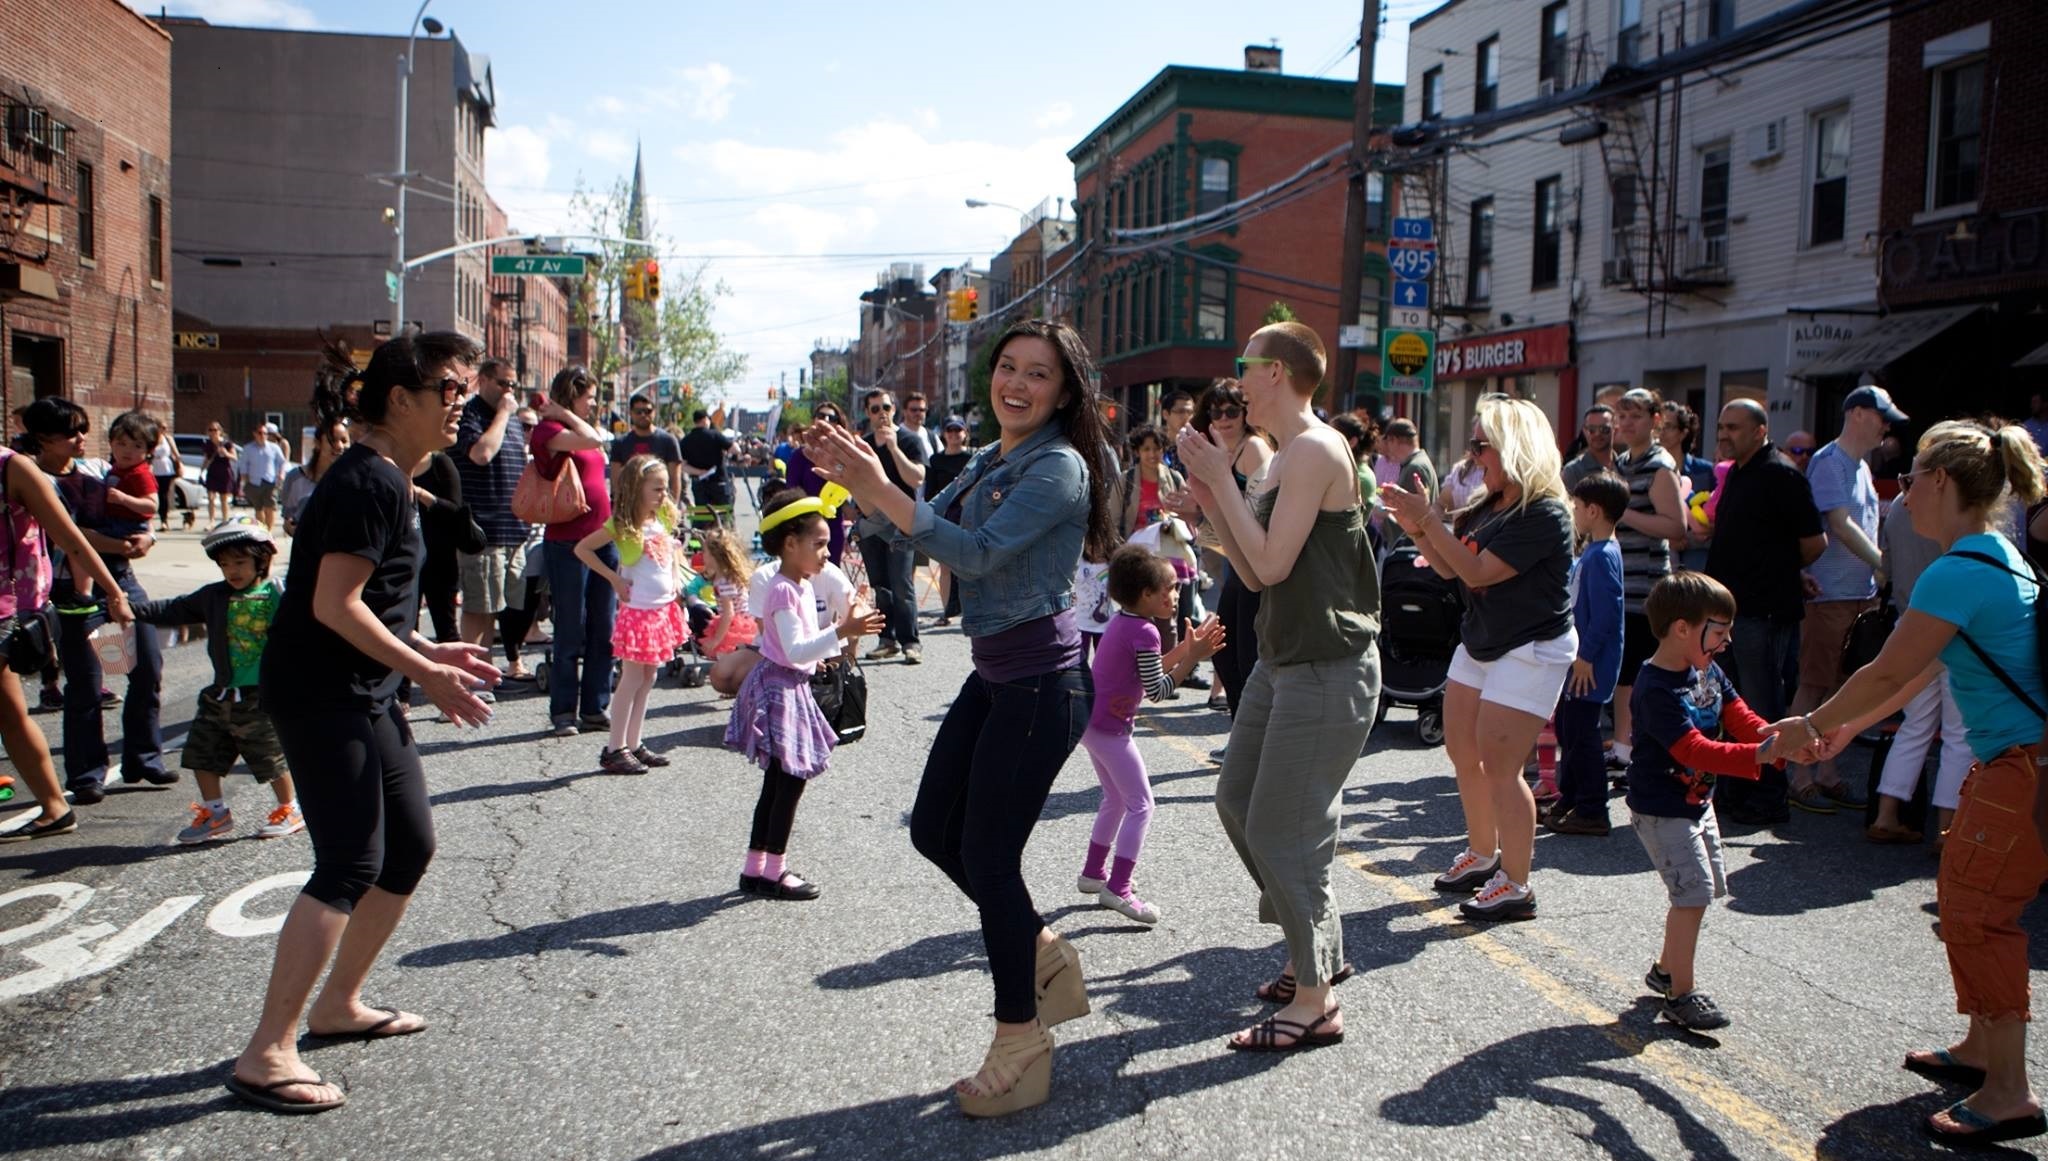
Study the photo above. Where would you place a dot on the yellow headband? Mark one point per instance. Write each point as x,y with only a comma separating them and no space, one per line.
825,503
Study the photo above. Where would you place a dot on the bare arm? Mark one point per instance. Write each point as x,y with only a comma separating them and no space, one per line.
1850,535
1314,465
1810,548
586,551
338,604
27,483
576,435
1666,520
492,438
1909,660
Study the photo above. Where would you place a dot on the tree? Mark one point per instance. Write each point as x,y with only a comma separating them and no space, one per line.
678,339
1279,312
987,431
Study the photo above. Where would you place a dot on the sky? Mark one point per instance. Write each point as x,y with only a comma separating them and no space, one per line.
795,149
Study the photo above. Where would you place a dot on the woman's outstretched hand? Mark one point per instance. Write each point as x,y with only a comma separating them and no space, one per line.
456,670
1410,509
1204,458
843,458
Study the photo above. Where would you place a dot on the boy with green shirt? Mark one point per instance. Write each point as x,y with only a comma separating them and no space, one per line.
230,723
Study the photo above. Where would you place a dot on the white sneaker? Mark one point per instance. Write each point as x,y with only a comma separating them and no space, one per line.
1468,871
1088,886
1501,898
1128,905
285,820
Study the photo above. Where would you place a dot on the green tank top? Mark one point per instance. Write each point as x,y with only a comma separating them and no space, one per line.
1329,605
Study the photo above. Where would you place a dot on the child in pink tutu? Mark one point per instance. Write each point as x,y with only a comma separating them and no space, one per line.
775,721
650,625
725,566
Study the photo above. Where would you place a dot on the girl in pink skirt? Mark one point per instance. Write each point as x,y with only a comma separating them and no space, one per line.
725,566
775,721
650,624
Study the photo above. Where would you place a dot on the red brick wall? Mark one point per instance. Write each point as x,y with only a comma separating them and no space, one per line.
105,71
2015,146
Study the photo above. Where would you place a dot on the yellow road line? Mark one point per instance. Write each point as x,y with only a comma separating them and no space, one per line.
1658,1054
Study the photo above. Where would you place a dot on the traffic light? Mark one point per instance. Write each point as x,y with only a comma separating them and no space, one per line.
650,280
635,280
973,303
956,306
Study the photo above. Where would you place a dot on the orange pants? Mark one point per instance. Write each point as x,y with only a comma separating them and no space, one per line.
1991,867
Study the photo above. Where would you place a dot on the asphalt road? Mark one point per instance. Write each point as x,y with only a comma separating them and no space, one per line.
596,988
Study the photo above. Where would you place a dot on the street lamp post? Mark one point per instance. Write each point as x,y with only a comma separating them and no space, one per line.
420,20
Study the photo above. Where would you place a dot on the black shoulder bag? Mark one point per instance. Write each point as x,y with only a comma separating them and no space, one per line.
32,642
1868,632
841,690
2040,627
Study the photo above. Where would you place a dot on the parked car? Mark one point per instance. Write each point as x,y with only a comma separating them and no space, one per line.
189,490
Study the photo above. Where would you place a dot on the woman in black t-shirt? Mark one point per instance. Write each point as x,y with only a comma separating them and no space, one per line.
939,473
1512,555
343,642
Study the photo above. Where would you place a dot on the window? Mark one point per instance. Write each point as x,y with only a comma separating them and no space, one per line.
88,219
1545,261
1212,309
1628,35
1957,151
1713,226
1123,318
1553,33
1433,93
156,239
1216,177
1486,81
1827,204
1720,18
1371,304
1375,203
1479,276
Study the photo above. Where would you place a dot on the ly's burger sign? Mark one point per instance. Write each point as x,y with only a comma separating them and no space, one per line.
1505,353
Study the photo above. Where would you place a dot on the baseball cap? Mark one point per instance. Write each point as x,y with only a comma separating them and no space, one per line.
1878,400
953,423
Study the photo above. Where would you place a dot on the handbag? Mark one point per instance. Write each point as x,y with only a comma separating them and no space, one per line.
841,690
469,535
1868,633
32,642
539,500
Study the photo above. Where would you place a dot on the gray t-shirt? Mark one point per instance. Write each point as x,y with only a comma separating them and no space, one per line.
1906,553
1534,604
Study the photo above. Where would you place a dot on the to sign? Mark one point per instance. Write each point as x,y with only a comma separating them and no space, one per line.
198,340
1414,229
1410,358
544,265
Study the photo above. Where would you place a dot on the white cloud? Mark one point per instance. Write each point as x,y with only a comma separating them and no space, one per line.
711,95
1054,116
608,146
927,119
516,156
246,13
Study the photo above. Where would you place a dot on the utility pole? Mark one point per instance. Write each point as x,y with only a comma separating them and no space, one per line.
1353,276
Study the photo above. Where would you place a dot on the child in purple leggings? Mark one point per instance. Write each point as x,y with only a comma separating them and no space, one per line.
1128,669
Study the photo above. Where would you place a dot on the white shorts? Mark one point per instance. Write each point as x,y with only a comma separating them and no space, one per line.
1527,678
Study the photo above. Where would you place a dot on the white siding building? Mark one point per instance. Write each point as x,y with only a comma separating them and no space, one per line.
1715,235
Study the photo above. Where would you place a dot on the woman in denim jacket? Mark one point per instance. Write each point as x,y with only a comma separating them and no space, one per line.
1028,503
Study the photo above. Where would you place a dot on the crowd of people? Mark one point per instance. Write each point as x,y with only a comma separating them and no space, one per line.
1704,604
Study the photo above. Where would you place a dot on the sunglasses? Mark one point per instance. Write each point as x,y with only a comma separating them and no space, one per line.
451,389
643,411
1227,413
880,409
1477,446
1244,361
1798,451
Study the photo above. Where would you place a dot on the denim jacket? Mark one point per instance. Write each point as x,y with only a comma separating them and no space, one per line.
1023,518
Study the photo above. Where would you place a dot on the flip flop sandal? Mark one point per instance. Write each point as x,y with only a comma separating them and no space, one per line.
1945,1067
1265,1035
265,1095
1982,1130
377,1031
1281,990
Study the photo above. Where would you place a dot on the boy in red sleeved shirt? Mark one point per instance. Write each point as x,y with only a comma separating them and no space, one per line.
1683,708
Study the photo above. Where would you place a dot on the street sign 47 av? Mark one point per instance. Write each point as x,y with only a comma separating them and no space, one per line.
544,265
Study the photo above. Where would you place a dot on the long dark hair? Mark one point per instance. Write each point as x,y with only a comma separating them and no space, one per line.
396,363
1080,419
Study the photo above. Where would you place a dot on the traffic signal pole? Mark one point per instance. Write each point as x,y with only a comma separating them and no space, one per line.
1352,279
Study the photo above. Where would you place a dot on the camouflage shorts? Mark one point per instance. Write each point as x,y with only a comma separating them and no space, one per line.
223,730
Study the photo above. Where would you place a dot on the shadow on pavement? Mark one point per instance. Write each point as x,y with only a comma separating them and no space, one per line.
1893,1130
86,1114
49,858
489,790
591,933
1483,1081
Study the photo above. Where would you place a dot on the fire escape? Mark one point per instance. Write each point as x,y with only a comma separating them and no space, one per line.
32,186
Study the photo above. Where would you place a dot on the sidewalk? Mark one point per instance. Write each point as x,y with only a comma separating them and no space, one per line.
176,564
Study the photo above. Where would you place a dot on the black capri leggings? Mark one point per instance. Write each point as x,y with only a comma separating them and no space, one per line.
364,794
775,810
1237,607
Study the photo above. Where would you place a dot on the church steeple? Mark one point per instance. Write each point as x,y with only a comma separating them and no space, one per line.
636,204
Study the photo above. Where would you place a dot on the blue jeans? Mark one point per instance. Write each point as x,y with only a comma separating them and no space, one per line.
985,782
892,574
85,738
1581,769
584,608
1762,651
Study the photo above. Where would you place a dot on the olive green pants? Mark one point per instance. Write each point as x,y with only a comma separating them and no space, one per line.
1298,731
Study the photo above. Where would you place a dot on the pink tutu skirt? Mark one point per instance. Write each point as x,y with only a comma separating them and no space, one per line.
649,636
745,631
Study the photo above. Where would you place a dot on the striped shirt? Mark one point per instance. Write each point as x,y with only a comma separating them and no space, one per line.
1645,560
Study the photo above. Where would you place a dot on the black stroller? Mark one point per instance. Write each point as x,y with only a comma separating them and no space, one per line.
1419,616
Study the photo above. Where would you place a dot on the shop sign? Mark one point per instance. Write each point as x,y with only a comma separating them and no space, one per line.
1505,353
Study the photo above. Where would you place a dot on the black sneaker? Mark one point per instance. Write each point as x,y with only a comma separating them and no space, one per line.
87,793
596,721
153,777
565,727
1658,979
1614,760
1694,1011
1572,822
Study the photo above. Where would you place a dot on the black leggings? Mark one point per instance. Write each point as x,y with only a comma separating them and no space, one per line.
991,767
439,580
775,812
364,794
1238,608
515,624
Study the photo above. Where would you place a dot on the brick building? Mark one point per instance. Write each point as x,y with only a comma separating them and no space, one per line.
900,321
1173,310
528,322
85,207
1962,243
282,243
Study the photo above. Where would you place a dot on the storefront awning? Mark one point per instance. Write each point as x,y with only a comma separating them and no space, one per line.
2036,358
1890,340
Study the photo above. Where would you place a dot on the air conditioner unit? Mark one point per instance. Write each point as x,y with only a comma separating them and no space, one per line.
1767,142
1617,272
1547,87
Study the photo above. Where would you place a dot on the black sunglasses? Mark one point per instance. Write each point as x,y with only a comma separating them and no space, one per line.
879,409
451,389
1477,446
1227,413
1798,451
